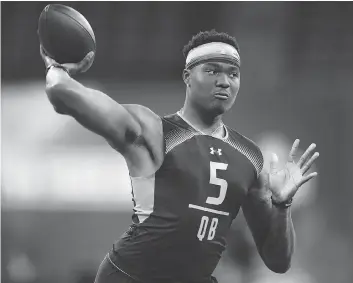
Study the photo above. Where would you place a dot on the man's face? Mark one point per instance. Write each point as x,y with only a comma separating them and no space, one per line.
214,86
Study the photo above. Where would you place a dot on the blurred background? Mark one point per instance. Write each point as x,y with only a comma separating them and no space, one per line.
65,194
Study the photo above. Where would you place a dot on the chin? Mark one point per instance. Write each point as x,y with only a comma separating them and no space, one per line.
221,108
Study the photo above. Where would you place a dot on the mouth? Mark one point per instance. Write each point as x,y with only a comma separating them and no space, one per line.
222,95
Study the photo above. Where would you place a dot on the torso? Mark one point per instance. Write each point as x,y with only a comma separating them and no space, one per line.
184,206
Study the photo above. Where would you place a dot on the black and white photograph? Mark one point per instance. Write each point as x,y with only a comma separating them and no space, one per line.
176,142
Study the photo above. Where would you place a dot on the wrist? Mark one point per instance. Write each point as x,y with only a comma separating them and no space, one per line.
58,66
282,204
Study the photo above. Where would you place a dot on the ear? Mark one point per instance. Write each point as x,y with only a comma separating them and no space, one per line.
186,76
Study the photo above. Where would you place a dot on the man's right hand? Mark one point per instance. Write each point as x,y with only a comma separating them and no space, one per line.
71,68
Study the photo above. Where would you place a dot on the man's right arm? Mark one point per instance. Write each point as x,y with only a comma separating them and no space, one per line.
93,109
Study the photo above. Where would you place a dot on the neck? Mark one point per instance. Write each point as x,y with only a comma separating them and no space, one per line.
202,120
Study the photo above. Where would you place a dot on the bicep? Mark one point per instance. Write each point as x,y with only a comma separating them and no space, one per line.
97,112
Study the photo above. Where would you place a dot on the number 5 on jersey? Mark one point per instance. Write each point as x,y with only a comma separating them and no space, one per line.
214,166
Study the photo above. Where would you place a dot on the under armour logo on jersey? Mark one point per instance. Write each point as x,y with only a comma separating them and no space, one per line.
213,151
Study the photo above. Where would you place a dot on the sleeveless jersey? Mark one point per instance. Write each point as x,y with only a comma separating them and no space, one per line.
183,211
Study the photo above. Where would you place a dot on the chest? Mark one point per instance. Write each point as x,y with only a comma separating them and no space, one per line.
208,172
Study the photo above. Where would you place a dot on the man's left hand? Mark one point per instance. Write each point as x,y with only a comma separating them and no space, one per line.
285,183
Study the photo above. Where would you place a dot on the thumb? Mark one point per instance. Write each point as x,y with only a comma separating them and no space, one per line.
273,163
47,60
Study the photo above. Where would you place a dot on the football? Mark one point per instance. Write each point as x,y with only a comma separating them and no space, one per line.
65,34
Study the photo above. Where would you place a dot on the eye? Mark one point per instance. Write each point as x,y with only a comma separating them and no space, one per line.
234,75
211,72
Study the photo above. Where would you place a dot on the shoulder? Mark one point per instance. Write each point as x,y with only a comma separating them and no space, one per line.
247,147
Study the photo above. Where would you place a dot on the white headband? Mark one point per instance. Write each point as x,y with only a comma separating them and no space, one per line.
219,51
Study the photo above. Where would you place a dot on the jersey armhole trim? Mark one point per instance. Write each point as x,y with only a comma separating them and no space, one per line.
257,169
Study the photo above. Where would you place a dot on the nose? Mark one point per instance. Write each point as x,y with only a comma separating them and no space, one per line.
222,81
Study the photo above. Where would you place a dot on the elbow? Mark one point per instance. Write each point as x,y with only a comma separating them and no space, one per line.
280,267
277,259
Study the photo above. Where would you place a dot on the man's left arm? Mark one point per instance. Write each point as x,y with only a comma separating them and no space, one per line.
271,227
267,207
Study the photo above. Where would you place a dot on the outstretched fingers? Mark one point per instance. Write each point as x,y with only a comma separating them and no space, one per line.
47,60
307,178
306,155
308,164
82,66
87,62
293,151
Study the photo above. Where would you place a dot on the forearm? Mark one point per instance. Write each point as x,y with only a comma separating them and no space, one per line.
278,246
272,229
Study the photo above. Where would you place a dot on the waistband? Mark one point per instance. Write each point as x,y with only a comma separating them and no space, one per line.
116,261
